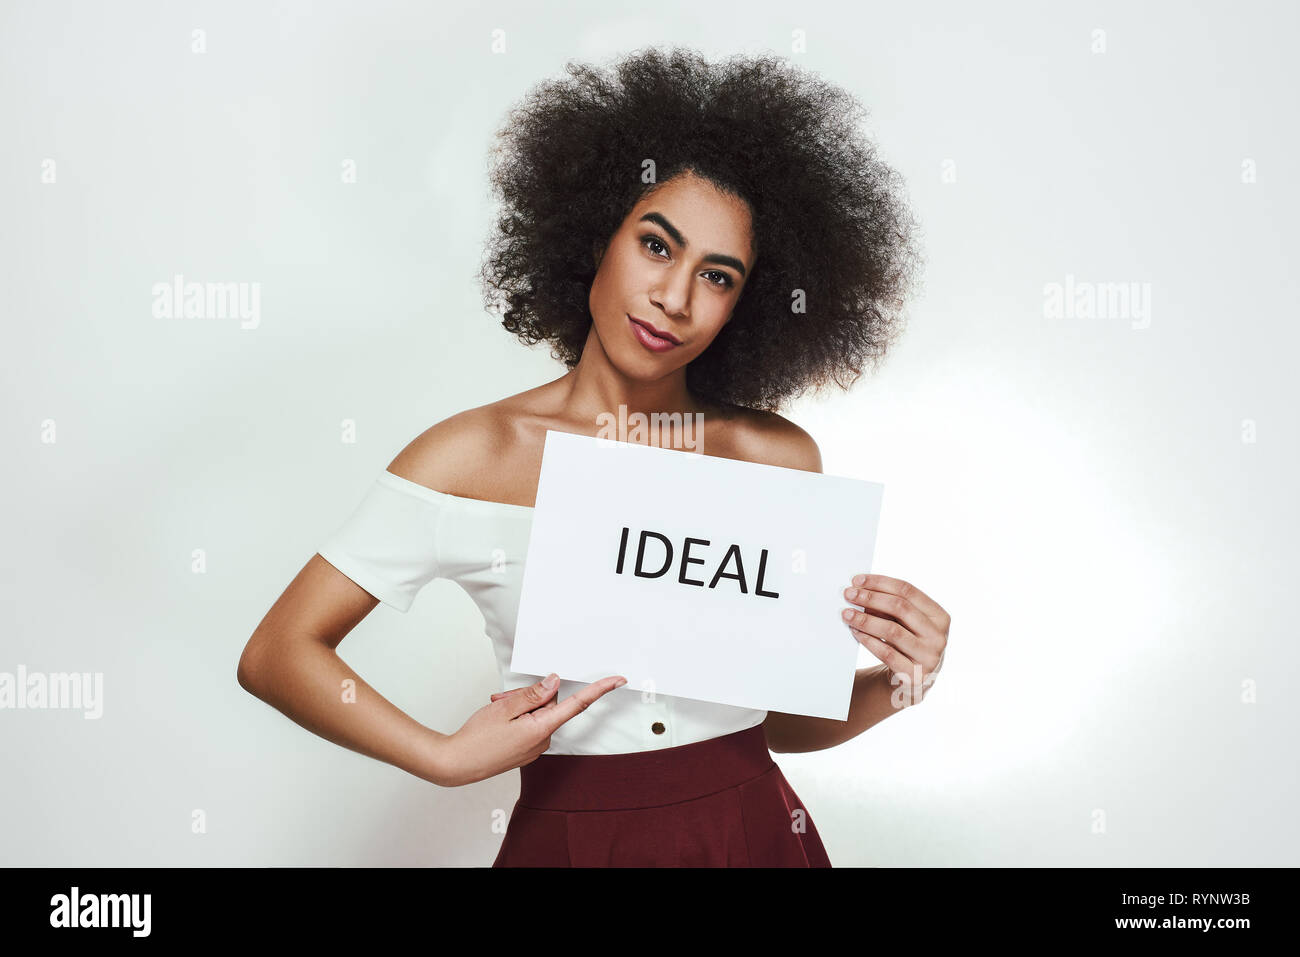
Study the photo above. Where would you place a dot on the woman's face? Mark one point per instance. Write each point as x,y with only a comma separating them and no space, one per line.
677,263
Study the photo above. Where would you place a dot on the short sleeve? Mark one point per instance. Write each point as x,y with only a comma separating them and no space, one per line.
389,545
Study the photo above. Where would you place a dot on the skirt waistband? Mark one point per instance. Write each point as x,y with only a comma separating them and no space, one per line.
608,782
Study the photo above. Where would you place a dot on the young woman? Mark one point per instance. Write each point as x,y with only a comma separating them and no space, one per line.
689,238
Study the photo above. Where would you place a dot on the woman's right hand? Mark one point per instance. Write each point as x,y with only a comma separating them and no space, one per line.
514,730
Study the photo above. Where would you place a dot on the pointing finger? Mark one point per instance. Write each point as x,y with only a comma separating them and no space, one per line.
578,702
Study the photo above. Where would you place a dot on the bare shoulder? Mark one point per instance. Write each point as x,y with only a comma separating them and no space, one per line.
771,439
450,456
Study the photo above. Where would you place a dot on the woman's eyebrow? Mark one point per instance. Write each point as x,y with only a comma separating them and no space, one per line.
680,240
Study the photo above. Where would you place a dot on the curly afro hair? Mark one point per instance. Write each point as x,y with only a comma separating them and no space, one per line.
829,218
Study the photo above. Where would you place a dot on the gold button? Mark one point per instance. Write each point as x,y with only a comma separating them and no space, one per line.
657,727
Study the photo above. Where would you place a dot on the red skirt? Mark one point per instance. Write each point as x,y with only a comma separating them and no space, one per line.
716,803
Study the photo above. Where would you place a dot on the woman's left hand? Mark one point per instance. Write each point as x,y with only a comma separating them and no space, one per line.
908,630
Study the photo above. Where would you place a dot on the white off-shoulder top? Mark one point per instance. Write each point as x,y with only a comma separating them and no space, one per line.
403,535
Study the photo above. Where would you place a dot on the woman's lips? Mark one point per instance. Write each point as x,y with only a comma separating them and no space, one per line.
649,339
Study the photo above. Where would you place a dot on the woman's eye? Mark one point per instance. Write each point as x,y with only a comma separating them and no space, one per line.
650,241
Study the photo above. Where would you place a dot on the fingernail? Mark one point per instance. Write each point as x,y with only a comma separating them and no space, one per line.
620,682
550,681
859,579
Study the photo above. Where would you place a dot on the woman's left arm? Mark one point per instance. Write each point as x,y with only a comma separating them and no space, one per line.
903,627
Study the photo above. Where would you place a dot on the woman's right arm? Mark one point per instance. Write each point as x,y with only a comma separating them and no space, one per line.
290,662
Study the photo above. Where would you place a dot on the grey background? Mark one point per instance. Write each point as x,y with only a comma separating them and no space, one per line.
1082,494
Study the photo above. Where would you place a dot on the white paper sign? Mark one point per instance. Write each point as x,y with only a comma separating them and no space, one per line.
694,576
